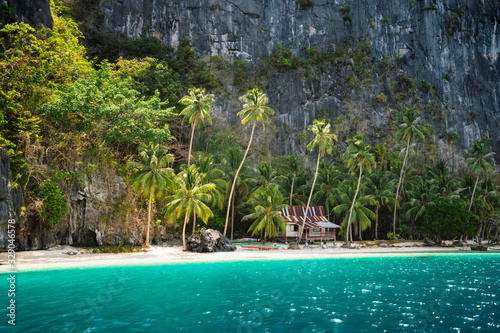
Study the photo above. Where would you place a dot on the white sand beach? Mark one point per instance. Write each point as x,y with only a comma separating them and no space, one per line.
73,257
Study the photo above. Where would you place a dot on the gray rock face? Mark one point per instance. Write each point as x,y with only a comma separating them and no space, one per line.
34,12
11,201
209,241
452,45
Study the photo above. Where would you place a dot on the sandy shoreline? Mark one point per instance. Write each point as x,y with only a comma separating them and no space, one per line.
70,257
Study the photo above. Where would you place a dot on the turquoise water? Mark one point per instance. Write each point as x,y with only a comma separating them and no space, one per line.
402,294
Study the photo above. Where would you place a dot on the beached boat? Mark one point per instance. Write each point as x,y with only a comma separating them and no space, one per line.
479,248
244,241
260,247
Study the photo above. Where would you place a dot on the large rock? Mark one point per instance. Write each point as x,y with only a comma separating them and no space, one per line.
33,12
209,241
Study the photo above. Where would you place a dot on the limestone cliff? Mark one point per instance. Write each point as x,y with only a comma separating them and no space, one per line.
453,45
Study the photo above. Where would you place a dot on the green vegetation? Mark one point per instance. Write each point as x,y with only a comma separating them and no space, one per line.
53,207
65,119
346,15
304,4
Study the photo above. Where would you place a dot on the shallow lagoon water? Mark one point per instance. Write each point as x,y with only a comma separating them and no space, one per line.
451,293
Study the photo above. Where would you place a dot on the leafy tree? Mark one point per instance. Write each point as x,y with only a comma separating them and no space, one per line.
268,202
357,156
191,197
54,204
447,219
478,161
150,75
266,176
439,176
382,191
408,130
33,63
255,110
324,140
197,110
153,176
109,108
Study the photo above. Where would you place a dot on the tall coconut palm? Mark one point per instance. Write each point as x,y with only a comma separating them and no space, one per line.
382,191
419,197
267,202
211,174
408,130
357,156
197,110
324,140
255,110
191,197
153,176
232,159
478,161
354,201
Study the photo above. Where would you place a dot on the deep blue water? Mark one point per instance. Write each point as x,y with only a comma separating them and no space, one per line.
404,294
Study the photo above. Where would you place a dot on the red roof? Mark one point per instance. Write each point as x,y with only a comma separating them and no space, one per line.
295,214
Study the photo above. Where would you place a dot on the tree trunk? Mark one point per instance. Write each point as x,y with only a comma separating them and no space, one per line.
194,222
291,191
353,202
376,222
399,185
191,144
360,231
236,179
309,200
149,218
232,219
473,192
184,247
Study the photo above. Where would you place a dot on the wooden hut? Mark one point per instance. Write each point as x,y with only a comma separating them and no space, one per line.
317,226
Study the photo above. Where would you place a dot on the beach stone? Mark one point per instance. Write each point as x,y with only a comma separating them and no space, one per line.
447,244
209,241
294,246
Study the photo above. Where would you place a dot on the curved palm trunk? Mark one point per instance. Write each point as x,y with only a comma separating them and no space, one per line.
401,176
235,179
184,247
149,218
191,144
194,222
376,221
291,191
352,205
232,218
309,200
473,192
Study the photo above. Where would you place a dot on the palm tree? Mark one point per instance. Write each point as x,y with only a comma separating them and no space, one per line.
329,179
266,176
324,140
197,111
190,197
153,175
357,156
408,129
382,191
255,110
439,175
268,202
233,158
294,166
419,197
478,161
348,200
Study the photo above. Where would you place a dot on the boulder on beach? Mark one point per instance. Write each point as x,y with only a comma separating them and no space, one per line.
209,241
